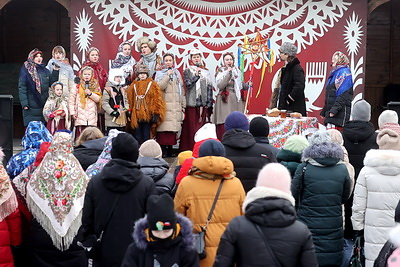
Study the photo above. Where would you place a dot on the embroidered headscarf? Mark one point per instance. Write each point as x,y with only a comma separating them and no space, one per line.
100,74
8,199
35,134
92,86
341,74
30,65
56,192
59,103
65,67
120,59
236,76
105,155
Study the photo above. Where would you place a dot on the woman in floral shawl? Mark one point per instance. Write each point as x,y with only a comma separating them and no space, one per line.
35,134
55,195
124,60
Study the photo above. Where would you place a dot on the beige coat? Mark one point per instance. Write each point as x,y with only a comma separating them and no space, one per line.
175,104
87,115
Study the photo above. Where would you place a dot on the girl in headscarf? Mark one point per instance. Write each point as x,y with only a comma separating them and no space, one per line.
35,134
33,86
84,101
124,60
66,73
229,89
170,81
339,93
55,196
55,110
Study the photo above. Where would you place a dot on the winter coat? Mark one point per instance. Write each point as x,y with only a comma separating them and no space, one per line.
45,254
27,92
273,211
376,195
292,88
150,104
263,140
175,102
10,235
205,99
289,159
247,156
196,194
108,103
88,152
177,252
157,169
118,177
387,250
320,193
339,105
87,115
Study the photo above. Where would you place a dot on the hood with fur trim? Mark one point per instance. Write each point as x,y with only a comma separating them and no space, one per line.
324,154
386,162
186,232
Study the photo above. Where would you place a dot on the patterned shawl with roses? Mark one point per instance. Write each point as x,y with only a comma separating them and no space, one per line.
56,191
8,200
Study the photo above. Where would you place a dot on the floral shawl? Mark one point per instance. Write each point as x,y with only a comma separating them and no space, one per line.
204,75
54,103
56,192
93,86
30,66
341,74
121,60
100,74
8,199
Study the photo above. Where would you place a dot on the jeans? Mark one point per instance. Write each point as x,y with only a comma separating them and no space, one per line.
347,251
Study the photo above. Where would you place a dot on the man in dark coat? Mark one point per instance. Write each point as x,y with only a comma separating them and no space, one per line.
120,177
269,211
291,95
259,128
247,156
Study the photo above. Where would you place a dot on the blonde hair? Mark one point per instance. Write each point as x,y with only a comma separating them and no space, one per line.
89,133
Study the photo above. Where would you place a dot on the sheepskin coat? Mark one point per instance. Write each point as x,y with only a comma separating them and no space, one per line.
376,195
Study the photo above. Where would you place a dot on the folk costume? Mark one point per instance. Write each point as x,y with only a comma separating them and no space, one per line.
124,63
152,60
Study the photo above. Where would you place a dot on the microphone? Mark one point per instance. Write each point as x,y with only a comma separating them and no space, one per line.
87,87
55,64
171,76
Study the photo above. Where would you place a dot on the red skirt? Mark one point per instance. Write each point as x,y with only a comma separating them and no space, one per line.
191,124
51,125
166,138
220,129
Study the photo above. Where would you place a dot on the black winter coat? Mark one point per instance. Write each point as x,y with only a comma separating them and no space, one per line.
247,156
265,142
118,177
88,152
340,105
319,196
289,239
293,84
358,137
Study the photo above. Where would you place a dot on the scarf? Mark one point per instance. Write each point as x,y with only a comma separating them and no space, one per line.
8,199
341,76
100,73
92,86
204,76
176,77
30,66
236,78
121,60
65,68
59,103
150,61
56,191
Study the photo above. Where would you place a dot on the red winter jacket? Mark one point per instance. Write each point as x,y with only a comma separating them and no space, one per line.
10,235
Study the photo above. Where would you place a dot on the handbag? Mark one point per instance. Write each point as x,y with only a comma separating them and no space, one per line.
357,258
277,263
92,244
200,238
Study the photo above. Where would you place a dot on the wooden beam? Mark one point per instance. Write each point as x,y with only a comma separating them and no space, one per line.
3,3
373,4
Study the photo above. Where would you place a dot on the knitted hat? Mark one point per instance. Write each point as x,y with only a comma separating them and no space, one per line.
387,116
296,143
388,139
150,149
259,126
125,147
142,68
275,176
160,212
288,48
184,155
206,131
319,137
236,120
361,111
212,148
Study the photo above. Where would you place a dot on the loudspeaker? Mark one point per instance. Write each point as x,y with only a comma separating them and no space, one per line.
392,105
6,126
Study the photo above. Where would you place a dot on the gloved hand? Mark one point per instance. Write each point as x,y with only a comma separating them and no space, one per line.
358,233
115,114
77,80
128,115
155,118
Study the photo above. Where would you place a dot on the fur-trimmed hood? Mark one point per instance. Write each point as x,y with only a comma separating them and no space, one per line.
186,233
386,162
325,154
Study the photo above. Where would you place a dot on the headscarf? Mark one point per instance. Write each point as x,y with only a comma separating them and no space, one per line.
65,68
93,86
236,75
8,199
100,74
59,103
30,65
204,72
122,60
341,74
176,75
56,192
35,134
105,155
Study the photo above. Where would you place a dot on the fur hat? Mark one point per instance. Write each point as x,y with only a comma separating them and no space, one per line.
387,116
259,127
146,40
236,120
275,176
151,149
206,131
212,147
183,156
142,68
160,212
319,137
289,49
296,143
125,147
361,111
388,139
